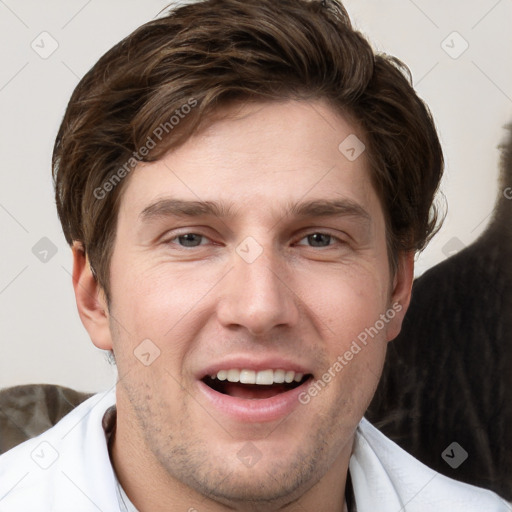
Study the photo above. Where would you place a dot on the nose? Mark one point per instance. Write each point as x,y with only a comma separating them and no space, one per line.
258,295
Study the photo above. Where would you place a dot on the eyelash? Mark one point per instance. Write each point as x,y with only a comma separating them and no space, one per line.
332,237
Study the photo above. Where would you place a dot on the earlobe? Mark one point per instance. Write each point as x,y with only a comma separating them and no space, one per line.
401,293
90,300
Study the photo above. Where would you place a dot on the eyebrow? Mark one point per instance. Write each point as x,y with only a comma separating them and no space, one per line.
330,208
169,207
181,208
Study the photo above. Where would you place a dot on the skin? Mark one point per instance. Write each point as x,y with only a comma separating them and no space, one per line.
303,299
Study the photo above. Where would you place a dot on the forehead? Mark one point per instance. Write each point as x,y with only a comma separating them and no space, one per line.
258,156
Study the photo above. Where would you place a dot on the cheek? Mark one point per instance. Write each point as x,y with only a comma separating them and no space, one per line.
160,303
348,305
344,301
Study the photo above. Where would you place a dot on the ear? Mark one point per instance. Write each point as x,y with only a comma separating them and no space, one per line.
90,299
401,293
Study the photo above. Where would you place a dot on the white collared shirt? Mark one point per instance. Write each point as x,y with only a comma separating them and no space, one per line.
68,468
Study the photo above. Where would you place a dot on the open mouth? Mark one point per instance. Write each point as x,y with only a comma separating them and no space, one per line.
270,384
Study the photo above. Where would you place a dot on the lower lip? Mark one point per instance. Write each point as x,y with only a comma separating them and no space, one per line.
255,410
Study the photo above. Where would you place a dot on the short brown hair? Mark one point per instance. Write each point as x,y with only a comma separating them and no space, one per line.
203,55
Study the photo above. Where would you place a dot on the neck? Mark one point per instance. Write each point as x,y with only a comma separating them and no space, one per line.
150,488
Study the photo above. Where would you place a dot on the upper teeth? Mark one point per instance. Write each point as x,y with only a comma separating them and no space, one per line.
262,377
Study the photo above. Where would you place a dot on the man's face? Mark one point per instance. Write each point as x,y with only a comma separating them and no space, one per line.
285,274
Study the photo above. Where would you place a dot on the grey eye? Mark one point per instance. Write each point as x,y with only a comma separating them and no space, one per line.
319,239
190,239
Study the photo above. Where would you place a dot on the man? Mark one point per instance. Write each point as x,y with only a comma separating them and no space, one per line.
244,185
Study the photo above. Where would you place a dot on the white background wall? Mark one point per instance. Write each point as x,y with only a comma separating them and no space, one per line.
42,339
